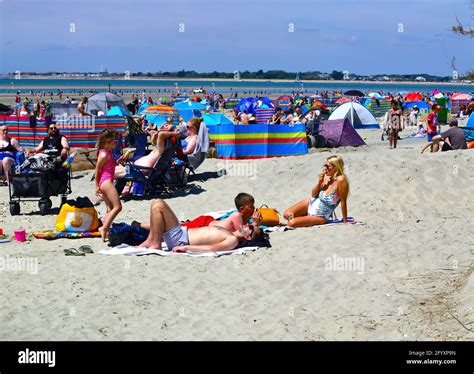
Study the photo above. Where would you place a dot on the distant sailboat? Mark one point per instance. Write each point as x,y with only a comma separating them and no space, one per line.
297,79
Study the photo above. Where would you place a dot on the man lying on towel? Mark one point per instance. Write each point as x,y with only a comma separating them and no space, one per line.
165,226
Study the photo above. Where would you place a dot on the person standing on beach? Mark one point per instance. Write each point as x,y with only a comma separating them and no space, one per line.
432,123
104,178
393,124
81,107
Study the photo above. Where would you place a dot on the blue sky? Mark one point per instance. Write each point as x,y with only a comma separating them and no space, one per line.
360,36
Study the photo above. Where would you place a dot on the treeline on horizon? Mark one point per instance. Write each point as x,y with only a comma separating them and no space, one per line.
260,74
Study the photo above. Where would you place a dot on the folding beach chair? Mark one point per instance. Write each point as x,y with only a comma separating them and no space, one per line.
195,159
153,178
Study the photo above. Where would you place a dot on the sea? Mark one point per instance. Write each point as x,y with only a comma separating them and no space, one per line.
156,86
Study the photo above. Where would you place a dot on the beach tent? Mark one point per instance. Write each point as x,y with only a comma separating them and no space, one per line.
102,101
216,119
117,111
340,133
358,115
250,104
189,104
187,114
143,106
470,121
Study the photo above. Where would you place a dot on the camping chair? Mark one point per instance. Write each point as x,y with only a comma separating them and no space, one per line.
141,149
153,177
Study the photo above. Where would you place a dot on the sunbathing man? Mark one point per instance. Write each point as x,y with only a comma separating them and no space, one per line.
165,226
244,203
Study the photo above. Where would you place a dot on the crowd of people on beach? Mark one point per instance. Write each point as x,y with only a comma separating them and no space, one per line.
330,190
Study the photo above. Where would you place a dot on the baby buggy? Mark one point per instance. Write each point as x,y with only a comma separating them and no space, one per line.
37,179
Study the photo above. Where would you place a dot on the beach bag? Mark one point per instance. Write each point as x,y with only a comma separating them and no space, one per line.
270,216
122,233
78,216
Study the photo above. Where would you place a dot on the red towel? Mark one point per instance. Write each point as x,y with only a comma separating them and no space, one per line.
200,221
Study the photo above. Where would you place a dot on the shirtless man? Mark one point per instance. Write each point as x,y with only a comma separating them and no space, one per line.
165,226
81,107
245,205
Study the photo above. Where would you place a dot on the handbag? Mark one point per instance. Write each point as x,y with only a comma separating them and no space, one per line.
78,216
270,216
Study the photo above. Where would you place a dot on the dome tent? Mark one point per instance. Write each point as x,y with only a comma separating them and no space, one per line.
359,116
103,101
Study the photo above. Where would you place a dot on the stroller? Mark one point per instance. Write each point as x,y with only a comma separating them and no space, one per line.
37,179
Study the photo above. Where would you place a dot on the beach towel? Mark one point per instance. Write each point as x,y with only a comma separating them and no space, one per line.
52,235
127,250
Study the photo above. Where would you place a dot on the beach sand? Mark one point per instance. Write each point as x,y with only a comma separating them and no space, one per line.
416,249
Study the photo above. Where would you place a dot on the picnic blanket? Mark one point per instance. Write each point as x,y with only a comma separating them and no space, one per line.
52,235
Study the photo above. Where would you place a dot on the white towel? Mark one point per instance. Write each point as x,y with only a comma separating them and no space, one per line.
124,249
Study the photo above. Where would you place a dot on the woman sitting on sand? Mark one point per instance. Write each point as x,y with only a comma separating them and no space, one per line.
332,188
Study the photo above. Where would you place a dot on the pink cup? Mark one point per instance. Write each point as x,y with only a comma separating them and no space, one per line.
20,235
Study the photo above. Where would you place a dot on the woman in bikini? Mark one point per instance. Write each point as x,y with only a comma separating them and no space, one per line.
332,188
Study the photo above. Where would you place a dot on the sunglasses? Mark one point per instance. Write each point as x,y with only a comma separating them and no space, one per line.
189,127
53,128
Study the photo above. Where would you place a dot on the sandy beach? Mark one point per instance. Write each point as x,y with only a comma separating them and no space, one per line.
413,281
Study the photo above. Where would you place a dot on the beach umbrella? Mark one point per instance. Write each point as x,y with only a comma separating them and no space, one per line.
461,96
343,100
413,96
354,93
285,98
159,109
438,96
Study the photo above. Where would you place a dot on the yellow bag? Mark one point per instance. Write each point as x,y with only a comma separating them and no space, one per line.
72,218
270,216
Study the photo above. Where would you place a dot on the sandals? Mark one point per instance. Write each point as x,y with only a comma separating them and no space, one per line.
83,249
73,252
86,248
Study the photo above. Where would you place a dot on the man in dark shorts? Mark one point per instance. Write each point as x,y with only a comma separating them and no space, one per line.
453,139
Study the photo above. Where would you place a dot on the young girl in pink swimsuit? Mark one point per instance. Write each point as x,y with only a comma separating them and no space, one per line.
104,178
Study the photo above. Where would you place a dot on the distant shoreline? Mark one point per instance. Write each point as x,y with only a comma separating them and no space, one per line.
177,80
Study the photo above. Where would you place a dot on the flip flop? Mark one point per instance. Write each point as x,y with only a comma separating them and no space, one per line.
73,252
86,248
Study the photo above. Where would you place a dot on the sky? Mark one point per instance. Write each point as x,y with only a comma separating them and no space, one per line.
360,36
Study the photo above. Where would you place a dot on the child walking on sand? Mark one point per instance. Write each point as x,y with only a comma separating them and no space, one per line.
104,178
